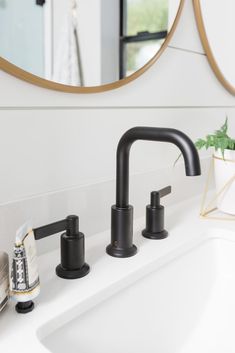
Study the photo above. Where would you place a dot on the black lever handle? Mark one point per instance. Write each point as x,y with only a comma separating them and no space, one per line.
72,253
157,195
72,247
155,216
165,191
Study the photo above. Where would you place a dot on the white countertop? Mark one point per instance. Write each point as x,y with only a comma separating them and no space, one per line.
60,300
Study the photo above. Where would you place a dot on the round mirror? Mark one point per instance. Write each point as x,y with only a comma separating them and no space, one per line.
84,45
217,30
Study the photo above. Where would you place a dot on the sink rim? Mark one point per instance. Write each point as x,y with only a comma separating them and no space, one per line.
78,309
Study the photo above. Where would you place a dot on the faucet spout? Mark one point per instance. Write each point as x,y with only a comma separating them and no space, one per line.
122,213
178,138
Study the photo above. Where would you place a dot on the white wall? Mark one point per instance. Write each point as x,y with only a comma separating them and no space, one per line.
173,6
57,150
220,28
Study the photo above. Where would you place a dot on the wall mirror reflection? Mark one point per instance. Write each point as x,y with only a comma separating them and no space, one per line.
84,43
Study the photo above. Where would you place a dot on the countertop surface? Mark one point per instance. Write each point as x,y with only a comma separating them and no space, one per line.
60,300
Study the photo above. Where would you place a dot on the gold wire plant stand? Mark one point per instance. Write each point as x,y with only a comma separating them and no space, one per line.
209,209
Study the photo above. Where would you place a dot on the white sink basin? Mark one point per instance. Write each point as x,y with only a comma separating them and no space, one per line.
184,306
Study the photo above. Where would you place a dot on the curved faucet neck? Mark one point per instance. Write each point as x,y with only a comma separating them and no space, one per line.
178,138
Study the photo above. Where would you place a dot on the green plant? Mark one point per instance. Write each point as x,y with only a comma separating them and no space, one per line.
220,140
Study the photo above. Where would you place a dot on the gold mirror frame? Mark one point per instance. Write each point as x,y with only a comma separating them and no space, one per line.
208,50
36,80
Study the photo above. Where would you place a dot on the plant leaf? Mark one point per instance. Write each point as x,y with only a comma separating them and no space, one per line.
200,143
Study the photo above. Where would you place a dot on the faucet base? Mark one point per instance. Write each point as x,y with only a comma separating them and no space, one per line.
121,253
72,274
155,236
121,232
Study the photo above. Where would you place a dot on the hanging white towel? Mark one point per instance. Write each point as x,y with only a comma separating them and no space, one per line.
67,68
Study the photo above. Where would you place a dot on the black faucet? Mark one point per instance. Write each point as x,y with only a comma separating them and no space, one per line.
122,213
72,253
72,247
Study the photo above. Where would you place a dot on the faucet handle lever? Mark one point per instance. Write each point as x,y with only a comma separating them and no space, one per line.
155,216
165,191
156,195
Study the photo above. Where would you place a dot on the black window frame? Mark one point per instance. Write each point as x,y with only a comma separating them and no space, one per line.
139,37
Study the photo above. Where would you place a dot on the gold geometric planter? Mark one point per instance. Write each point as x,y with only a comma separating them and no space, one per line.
209,209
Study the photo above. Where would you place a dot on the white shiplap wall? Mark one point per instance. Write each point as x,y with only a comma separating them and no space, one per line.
55,147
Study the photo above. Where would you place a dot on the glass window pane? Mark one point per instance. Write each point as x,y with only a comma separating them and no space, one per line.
139,53
146,15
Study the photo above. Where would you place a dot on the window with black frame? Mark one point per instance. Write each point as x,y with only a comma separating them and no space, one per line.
143,29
